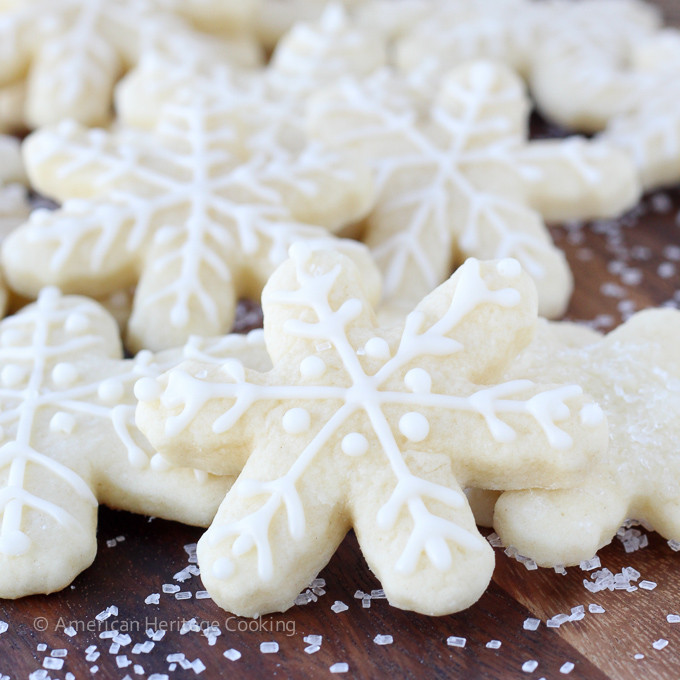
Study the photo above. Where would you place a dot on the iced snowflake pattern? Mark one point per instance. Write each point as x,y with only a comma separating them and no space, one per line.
187,213
75,50
459,179
345,397
68,438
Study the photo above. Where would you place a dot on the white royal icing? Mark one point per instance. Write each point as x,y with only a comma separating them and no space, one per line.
184,201
366,395
43,385
446,153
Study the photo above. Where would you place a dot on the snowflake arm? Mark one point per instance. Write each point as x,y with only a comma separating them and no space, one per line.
82,242
576,179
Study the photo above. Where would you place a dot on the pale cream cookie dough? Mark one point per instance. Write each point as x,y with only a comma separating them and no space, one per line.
634,374
187,212
71,52
458,177
68,440
357,426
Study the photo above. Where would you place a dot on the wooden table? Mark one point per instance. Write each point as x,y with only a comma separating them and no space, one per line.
137,556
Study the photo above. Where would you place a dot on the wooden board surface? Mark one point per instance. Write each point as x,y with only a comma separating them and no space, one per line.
619,267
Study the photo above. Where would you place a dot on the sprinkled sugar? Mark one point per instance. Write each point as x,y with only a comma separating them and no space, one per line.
338,607
269,647
589,565
454,641
530,666
531,624
232,655
339,668
567,667
660,643
383,640
493,644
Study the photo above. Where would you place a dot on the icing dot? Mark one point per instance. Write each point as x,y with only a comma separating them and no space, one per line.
179,316
160,464
354,444
62,422
296,420
111,391
312,367
414,426
144,357
223,568
418,380
14,542
147,389
76,322
377,348
64,374
509,268
591,415
12,375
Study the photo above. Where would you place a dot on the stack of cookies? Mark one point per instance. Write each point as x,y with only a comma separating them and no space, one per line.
366,171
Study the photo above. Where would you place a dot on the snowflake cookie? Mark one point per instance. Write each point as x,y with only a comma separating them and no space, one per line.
69,442
188,213
71,52
358,426
275,18
459,178
445,34
634,373
649,129
582,71
270,101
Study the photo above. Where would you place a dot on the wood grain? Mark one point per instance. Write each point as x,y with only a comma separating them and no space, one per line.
600,646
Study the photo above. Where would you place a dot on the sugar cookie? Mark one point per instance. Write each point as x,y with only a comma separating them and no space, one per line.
68,439
189,213
634,373
458,178
71,52
360,427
